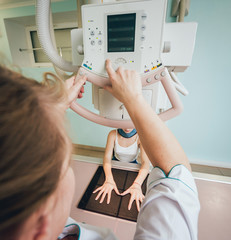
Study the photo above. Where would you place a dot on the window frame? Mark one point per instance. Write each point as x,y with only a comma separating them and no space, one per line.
30,29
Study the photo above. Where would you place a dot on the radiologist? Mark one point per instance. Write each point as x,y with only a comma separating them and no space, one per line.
37,183
171,207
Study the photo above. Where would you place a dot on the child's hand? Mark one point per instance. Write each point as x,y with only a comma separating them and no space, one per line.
136,195
75,89
106,189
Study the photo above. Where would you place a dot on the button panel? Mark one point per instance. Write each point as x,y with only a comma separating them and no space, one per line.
157,76
143,27
120,61
153,77
163,74
95,37
95,42
144,16
148,80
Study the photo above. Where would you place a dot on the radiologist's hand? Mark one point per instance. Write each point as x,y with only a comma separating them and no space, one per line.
126,84
75,89
106,189
136,195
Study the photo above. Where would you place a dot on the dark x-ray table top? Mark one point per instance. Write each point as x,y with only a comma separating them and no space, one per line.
118,206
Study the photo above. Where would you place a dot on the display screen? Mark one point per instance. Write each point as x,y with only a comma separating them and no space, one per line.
121,32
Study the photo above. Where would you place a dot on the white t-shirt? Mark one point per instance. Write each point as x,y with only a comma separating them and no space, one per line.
126,154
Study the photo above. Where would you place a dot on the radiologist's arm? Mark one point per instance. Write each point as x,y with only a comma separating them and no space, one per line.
160,145
75,89
109,184
71,89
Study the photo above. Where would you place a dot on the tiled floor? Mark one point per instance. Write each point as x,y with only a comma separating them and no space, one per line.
195,168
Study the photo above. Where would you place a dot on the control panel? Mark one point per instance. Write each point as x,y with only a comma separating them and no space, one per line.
127,33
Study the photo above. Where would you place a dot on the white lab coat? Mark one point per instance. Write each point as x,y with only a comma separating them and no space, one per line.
86,232
171,207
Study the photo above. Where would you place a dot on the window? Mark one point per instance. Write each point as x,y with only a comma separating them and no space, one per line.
63,43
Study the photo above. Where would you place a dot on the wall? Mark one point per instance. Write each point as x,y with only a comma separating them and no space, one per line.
203,128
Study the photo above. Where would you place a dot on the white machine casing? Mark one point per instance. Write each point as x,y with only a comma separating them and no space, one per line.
149,19
131,34
156,45
179,42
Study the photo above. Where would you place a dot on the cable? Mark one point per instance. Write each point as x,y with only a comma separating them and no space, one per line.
178,85
182,11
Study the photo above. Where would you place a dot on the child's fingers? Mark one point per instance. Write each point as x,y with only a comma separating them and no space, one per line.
117,191
103,196
125,192
137,205
108,197
130,202
99,194
99,188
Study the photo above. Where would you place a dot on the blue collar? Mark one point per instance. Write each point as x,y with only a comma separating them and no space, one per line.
127,135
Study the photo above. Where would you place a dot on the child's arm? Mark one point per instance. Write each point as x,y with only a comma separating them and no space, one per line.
145,166
108,156
135,189
109,183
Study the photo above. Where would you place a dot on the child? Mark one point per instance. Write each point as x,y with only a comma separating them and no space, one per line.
123,145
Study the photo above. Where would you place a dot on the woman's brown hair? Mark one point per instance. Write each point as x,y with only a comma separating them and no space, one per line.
33,146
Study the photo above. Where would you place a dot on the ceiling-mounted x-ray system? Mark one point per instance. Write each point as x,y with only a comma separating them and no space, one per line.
132,34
